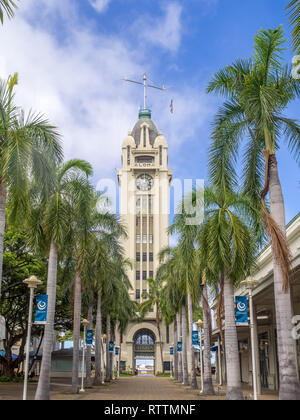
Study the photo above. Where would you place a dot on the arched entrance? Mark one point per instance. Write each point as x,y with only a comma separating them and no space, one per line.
144,352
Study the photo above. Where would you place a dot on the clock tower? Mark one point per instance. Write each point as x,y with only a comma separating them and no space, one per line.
144,182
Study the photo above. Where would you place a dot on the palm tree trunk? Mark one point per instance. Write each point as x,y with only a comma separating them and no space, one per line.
234,386
184,347
43,388
175,357
98,342
208,388
76,331
160,344
180,370
108,368
3,194
289,383
194,384
89,349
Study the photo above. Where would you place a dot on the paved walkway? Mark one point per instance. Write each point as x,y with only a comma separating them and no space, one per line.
125,388
135,388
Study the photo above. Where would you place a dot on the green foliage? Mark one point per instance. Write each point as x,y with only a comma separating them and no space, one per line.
294,15
256,93
7,6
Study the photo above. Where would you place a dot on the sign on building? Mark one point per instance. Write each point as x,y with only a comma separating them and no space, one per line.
241,312
195,338
179,346
111,347
89,337
171,351
41,309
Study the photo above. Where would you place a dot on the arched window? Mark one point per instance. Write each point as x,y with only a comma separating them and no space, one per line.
128,155
144,337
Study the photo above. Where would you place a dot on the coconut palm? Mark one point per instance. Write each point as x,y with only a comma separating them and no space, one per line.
208,388
258,91
294,15
8,7
50,227
186,258
227,246
27,144
89,226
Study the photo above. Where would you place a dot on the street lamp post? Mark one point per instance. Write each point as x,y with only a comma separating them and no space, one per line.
85,323
200,324
250,284
32,284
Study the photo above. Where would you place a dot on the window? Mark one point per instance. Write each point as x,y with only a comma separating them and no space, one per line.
144,136
144,239
151,274
151,221
128,155
138,256
160,155
138,239
144,275
145,204
144,256
137,294
150,239
138,204
144,222
138,275
167,366
151,257
137,221
150,204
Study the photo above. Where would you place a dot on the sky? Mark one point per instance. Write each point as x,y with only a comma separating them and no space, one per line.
72,54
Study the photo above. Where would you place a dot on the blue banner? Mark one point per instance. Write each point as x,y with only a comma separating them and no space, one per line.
89,337
117,351
195,338
241,313
179,346
41,309
111,347
171,351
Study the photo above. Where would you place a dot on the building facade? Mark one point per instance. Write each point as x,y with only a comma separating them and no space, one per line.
265,336
144,182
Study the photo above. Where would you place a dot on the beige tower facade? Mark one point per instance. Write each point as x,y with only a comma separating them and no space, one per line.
144,182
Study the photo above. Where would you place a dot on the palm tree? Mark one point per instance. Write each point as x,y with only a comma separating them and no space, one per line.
50,227
8,7
27,145
227,246
89,225
294,14
189,280
258,91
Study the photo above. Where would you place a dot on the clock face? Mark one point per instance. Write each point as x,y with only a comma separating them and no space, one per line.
144,182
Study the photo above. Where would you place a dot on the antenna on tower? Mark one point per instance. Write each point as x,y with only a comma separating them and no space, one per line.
146,85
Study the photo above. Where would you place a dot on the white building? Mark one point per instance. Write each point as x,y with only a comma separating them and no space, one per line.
265,317
144,181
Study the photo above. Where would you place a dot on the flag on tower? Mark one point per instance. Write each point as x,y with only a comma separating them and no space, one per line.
172,107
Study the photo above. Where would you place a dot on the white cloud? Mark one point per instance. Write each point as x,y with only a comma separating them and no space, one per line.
100,5
76,83
166,31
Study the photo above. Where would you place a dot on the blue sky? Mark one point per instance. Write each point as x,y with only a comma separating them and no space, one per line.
72,54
